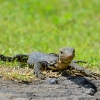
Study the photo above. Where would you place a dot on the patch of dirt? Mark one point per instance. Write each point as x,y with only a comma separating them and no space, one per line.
66,88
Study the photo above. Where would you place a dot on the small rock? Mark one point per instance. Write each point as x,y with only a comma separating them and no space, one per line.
90,91
53,81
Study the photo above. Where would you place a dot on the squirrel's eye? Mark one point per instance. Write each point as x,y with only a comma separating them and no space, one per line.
61,52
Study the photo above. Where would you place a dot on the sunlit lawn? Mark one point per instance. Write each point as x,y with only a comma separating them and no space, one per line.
48,25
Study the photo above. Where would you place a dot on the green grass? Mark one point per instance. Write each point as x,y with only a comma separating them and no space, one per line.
47,25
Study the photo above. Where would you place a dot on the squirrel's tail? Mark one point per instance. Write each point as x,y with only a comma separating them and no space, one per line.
18,58
5,58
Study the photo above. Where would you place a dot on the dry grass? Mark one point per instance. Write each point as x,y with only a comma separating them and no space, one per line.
17,74
25,74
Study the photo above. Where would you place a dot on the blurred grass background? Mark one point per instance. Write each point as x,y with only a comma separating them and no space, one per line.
48,25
